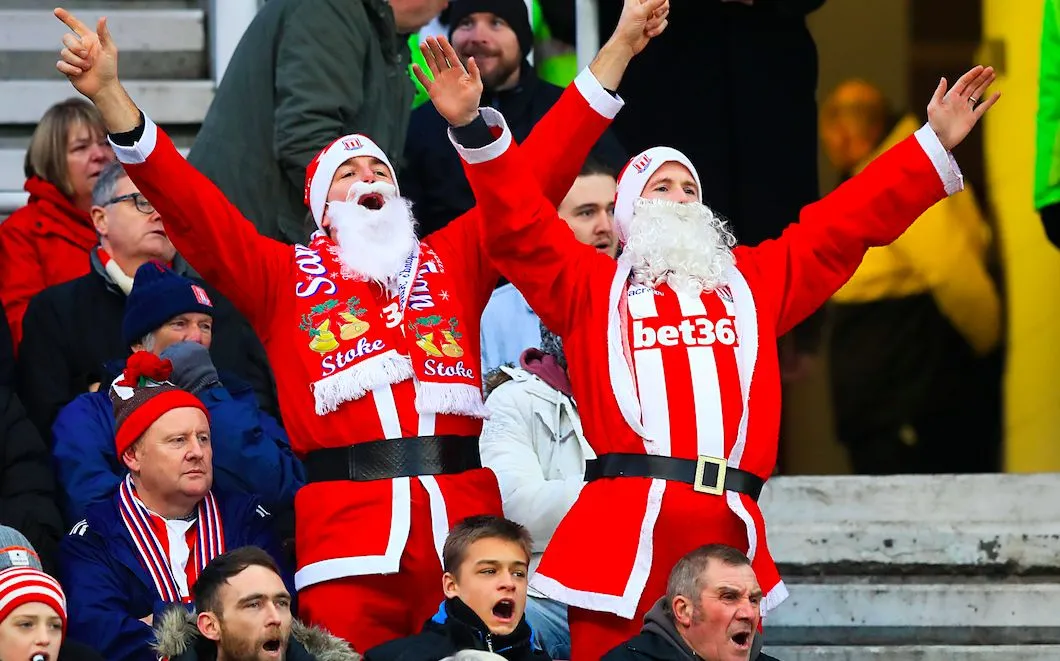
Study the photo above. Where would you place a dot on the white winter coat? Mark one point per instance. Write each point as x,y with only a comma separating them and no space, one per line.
533,441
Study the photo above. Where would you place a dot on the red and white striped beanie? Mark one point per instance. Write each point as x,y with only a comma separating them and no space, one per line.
634,177
322,168
25,585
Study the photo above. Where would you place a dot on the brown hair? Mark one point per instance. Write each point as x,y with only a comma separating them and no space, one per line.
46,155
223,567
686,578
593,166
474,528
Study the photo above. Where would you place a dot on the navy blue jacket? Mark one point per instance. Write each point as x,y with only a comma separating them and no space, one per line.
251,453
108,589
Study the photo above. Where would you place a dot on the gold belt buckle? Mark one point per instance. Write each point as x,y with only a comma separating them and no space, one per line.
718,487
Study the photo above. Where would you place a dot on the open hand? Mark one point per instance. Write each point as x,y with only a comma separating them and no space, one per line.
88,59
454,90
640,22
952,114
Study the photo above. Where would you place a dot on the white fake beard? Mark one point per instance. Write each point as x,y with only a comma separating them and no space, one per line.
685,245
372,244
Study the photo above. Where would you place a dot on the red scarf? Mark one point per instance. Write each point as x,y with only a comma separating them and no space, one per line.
360,337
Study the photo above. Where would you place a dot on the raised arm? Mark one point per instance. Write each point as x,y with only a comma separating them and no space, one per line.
524,235
206,229
560,141
813,258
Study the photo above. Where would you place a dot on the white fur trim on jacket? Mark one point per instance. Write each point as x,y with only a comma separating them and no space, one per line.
944,162
141,149
476,155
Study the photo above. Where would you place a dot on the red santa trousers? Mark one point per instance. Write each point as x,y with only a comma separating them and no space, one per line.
594,633
370,610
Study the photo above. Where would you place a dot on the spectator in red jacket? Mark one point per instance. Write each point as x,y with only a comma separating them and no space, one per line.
47,241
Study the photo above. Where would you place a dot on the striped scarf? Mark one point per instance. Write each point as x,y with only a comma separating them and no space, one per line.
209,540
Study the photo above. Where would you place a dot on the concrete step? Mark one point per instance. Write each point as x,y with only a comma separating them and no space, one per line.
134,30
165,101
971,524
83,5
918,653
156,43
874,611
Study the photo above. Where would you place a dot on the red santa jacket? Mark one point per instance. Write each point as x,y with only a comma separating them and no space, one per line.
44,243
707,385
347,529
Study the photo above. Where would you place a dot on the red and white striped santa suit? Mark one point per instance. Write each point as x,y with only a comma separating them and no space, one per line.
660,373
368,552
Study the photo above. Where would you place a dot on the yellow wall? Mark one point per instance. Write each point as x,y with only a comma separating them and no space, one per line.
1032,265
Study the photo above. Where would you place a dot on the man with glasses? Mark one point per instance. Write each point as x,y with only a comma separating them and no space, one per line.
73,330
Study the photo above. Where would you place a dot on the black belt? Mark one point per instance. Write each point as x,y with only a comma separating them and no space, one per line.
705,474
394,457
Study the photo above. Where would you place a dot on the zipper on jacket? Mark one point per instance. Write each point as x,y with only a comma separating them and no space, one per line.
489,642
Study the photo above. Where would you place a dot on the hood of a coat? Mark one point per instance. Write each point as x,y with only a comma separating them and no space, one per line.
657,621
178,639
57,214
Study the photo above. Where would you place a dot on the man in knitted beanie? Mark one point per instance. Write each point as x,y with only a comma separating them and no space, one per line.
172,317
144,546
497,33
373,333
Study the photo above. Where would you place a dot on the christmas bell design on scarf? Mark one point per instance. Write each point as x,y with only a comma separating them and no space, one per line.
348,321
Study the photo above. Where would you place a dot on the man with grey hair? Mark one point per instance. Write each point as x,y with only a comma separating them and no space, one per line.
710,612
73,330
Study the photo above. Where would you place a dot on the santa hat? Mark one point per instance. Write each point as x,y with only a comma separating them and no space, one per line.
322,168
142,395
634,177
158,295
25,585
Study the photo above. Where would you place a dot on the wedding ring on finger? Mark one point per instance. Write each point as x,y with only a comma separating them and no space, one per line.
972,100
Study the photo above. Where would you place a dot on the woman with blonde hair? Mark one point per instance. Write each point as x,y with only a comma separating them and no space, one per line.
47,241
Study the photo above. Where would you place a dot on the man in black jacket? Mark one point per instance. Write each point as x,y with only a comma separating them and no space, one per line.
497,34
486,559
710,612
27,485
73,330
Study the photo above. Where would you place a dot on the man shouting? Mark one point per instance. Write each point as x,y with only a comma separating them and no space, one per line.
674,362
373,336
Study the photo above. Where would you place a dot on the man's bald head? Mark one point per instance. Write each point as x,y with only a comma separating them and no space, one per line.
854,121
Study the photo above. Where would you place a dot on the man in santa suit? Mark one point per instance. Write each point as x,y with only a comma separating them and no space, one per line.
674,362
373,335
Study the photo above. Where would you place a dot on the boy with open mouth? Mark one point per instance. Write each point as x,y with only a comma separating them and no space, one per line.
485,559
